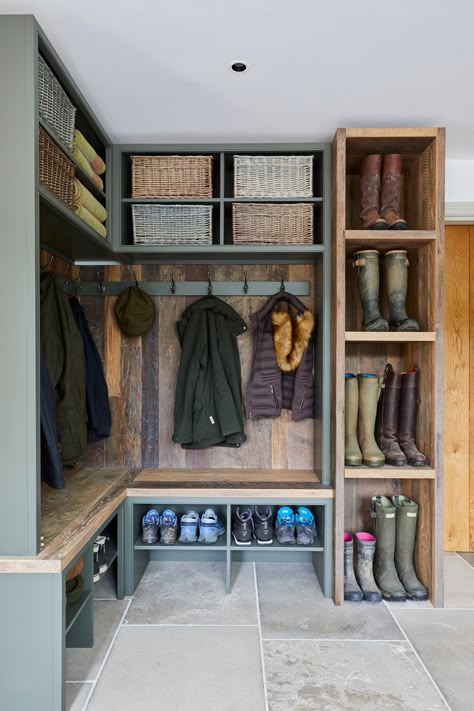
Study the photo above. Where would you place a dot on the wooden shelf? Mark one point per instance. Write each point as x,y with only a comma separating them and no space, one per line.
388,472
387,239
390,336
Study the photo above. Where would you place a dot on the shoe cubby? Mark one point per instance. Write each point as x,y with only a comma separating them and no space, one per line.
179,509
316,546
418,149
79,614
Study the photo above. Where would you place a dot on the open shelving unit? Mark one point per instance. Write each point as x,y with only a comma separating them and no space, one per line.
357,351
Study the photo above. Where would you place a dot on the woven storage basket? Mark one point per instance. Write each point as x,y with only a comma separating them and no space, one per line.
171,176
56,171
273,176
54,105
172,224
260,223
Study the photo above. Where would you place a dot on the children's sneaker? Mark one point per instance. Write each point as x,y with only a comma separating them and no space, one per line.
210,527
102,554
242,528
285,525
150,524
168,527
96,563
305,527
189,527
263,525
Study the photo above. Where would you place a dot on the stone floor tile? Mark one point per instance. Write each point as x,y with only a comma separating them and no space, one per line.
339,676
444,639
193,592
458,583
292,606
76,695
84,664
182,668
469,557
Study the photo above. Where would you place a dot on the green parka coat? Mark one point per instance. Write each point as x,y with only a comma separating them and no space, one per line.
208,406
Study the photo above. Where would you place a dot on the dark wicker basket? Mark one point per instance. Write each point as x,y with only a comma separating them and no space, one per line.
54,105
56,171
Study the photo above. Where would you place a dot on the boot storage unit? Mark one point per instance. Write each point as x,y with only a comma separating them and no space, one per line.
359,351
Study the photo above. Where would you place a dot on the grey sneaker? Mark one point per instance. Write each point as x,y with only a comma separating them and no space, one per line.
189,527
150,523
285,526
168,527
305,527
263,525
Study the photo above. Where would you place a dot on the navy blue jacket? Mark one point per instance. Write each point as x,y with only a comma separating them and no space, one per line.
97,395
52,471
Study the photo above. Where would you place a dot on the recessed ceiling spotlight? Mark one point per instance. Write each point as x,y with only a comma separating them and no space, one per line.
239,67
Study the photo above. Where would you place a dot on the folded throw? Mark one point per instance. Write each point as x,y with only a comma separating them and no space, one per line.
82,196
86,167
92,221
89,153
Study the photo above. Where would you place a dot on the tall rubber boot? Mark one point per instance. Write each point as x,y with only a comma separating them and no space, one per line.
391,192
396,269
370,172
352,453
368,395
386,426
364,566
407,517
366,264
352,591
407,419
385,574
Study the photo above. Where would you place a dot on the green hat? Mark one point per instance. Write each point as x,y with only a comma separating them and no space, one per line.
135,311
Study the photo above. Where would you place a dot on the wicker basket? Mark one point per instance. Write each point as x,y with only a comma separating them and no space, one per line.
172,224
56,171
54,105
171,176
273,176
261,223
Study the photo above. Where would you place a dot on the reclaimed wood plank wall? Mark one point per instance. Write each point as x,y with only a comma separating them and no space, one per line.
141,375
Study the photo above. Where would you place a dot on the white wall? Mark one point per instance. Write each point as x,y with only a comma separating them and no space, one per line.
460,181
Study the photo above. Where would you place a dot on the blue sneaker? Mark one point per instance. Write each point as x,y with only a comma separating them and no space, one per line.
285,526
150,523
210,527
305,527
168,527
189,527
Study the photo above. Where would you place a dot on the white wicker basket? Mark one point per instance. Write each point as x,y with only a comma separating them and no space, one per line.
273,176
172,224
54,105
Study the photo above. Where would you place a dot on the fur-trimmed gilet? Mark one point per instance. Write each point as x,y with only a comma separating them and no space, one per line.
283,360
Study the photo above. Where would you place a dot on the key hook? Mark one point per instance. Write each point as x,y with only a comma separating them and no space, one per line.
246,286
209,284
173,285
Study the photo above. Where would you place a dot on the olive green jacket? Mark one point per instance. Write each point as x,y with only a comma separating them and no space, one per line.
64,353
208,405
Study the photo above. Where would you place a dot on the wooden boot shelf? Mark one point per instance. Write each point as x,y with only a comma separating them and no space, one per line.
139,467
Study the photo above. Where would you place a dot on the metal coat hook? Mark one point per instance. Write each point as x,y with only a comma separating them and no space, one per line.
135,277
101,285
282,285
246,286
209,284
173,285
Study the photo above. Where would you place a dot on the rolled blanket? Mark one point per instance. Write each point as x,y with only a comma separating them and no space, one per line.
82,196
89,153
86,167
89,218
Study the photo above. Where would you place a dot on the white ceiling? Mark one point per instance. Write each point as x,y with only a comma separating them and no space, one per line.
159,71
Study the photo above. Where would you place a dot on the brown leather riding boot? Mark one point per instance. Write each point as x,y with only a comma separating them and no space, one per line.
370,170
407,419
386,426
391,192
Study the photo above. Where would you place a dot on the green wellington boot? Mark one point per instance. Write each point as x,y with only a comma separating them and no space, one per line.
368,396
366,264
396,270
352,453
384,516
407,517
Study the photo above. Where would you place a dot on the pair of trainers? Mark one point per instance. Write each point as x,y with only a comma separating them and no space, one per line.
297,528
164,527
205,529
100,557
250,524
